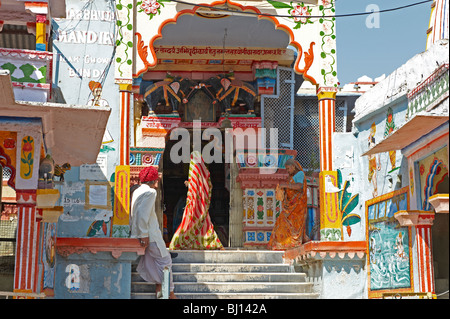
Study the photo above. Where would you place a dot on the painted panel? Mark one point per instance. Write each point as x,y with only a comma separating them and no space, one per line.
330,216
27,157
389,255
121,216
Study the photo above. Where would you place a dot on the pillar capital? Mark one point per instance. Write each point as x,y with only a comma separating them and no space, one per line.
125,87
125,84
324,93
414,218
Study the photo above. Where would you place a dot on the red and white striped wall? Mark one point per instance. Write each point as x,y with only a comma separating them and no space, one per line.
27,245
327,127
425,258
438,27
125,105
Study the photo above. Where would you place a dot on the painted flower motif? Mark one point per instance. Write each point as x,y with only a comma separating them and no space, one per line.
27,147
301,13
150,6
9,143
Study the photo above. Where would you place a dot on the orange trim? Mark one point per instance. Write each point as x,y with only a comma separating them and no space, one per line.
428,144
278,26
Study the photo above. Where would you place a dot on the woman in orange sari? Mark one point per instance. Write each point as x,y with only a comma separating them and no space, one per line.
196,230
289,229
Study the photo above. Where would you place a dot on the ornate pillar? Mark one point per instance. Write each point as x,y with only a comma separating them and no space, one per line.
125,102
330,216
41,33
40,10
27,243
327,103
422,221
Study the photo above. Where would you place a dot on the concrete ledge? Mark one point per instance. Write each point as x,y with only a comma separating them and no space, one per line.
67,246
327,249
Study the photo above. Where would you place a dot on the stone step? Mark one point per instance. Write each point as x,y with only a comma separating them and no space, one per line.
143,295
230,267
229,274
228,256
231,277
228,287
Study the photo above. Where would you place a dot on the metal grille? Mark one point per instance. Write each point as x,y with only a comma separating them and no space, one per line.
306,129
306,132
8,227
297,119
277,109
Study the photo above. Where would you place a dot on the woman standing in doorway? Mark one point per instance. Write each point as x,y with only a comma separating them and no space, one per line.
289,229
196,230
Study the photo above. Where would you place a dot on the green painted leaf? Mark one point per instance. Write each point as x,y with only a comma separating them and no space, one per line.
351,219
339,176
279,5
352,203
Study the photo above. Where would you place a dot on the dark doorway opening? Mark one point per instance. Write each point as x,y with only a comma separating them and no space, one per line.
175,192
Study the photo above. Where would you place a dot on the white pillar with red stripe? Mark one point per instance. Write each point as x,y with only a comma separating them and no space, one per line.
424,251
327,104
125,107
27,243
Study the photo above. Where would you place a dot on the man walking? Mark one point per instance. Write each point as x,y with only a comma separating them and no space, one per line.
145,226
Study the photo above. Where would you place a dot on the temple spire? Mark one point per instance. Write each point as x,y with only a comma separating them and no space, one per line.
438,27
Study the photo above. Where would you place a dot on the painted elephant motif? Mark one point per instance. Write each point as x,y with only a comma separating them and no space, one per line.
230,92
171,91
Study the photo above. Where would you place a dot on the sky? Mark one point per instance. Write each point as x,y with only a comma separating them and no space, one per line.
376,51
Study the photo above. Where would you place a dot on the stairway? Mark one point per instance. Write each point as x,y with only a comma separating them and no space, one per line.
230,274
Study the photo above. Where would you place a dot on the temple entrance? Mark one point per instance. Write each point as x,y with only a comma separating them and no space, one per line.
175,192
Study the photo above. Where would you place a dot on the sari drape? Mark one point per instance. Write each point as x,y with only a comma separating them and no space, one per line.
196,230
289,229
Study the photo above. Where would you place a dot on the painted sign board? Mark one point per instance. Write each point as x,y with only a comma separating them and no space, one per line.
389,255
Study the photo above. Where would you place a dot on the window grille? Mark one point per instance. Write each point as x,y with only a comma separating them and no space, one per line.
306,129
277,110
297,119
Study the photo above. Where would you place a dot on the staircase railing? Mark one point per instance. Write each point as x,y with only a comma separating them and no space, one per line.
165,289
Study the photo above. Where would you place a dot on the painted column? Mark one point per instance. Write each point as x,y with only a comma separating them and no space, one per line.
27,243
422,222
327,103
40,9
41,33
424,252
125,102
330,216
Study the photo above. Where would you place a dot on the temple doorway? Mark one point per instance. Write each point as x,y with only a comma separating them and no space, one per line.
175,192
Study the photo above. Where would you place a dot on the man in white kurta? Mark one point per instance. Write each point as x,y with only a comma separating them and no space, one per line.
145,226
